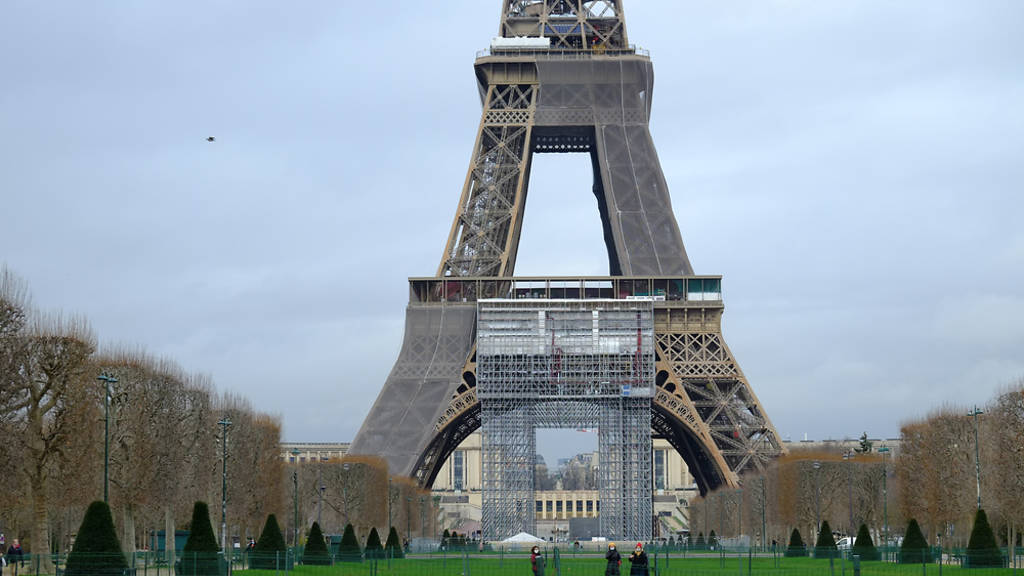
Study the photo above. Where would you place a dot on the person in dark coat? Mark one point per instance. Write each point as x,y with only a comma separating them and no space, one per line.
537,562
614,560
638,561
15,556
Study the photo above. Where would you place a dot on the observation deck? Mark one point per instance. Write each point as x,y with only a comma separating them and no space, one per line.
666,291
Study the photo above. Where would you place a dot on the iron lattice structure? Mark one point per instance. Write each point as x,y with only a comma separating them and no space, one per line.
562,78
566,364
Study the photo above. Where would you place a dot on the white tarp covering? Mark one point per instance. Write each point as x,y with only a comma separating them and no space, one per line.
523,538
521,42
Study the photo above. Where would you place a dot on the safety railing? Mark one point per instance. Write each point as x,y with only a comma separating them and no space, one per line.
563,53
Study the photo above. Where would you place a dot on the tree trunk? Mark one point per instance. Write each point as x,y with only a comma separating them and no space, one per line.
128,541
169,546
41,524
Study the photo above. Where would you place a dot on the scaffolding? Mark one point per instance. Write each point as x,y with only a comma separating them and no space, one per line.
566,364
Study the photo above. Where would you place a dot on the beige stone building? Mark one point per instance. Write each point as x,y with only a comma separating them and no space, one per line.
303,452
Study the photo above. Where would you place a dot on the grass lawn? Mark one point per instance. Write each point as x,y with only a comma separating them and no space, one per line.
519,565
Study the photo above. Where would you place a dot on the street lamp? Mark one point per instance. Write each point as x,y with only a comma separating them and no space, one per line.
884,451
721,515
817,499
764,522
422,517
107,379
739,514
706,513
389,505
408,520
849,456
320,498
224,423
344,488
977,460
295,498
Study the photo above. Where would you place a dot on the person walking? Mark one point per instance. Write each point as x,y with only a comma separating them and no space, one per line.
638,561
614,560
537,562
15,556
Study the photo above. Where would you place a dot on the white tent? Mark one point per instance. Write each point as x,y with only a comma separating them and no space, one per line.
523,538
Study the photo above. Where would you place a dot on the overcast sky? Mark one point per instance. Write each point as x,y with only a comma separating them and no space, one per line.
854,169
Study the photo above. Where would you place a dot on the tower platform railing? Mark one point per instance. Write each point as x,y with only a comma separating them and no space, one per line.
562,53
702,291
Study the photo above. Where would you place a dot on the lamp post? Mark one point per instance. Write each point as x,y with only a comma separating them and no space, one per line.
721,516
344,488
389,505
977,459
295,498
408,520
739,514
817,499
422,517
224,423
764,521
849,456
706,512
884,451
107,380
320,491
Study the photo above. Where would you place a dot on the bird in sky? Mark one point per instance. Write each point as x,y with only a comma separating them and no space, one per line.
211,139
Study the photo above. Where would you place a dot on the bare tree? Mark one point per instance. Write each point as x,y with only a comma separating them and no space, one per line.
51,362
163,434
937,465
1003,439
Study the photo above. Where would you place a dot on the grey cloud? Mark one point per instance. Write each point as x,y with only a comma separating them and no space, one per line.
853,169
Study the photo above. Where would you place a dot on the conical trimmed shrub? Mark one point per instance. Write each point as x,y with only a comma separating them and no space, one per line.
374,549
315,552
700,541
712,540
982,549
864,546
97,550
348,550
796,547
200,556
915,548
269,552
393,547
825,547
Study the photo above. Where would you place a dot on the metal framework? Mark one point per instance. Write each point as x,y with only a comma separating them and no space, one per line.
566,364
573,24
562,78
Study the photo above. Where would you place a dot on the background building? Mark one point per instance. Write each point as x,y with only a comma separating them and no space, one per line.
313,451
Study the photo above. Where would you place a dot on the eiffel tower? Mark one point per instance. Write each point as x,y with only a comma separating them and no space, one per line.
561,77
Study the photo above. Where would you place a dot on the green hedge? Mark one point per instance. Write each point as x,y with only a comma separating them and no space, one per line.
270,550
796,547
97,550
982,550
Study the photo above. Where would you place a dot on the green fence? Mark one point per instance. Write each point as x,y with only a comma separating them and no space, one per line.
560,561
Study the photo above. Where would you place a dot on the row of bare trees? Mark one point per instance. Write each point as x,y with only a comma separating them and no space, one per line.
930,476
799,490
942,461
166,431
164,441
357,490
